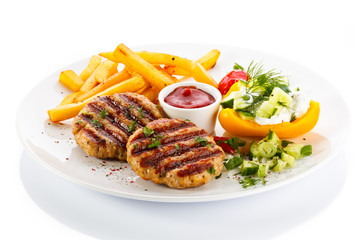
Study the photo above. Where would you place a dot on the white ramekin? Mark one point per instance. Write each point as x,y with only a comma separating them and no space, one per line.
204,117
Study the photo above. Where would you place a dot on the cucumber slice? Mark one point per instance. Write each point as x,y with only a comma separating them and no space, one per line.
273,162
249,168
243,102
254,150
294,150
273,138
245,115
266,110
242,83
267,150
280,96
228,102
280,166
233,163
290,160
263,169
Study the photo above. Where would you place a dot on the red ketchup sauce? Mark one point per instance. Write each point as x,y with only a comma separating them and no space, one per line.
189,97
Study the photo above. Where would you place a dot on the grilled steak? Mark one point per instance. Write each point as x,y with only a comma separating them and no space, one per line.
174,152
104,125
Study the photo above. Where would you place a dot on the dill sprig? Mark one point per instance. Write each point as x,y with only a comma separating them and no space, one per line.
260,80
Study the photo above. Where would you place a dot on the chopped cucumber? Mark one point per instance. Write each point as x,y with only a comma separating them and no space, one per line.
228,102
267,150
263,169
249,168
273,162
290,160
254,150
280,166
242,83
280,96
242,102
245,115
266,110
294,150
233,163
273,138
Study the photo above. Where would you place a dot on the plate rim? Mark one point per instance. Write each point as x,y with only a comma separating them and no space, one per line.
186,199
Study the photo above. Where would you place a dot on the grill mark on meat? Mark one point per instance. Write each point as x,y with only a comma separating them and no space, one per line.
173,127
197,155
94,137
194,169
116,138
142,145
110,117
135,102
119,109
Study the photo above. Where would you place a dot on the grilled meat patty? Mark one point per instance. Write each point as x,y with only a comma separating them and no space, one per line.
104,125
174,152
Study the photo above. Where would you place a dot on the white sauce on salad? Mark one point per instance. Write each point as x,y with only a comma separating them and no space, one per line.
299,105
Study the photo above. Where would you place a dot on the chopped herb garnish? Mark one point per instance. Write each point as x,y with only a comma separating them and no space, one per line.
233,163
156,141
79,121
148,131
218,176
131,106
141,112
96,123
104,113
177,147
211,170
187,120
235,142
132,126
135,145
248,181
85,113
237,67
202,141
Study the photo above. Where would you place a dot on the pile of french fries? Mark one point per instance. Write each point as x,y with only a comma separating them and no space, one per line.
145,73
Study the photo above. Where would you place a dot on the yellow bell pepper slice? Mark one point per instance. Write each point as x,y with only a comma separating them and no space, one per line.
235,125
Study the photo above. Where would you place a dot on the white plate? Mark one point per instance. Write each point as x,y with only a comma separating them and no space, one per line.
53,144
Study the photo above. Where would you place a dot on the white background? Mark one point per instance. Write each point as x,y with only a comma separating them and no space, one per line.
39,37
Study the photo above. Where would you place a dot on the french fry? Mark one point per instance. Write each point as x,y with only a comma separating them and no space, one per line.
208,61
151,93
111,81
108,55
105,70
68,111
93,64
71,80
134,62
157,59
90,83
158,67
201,75
70,98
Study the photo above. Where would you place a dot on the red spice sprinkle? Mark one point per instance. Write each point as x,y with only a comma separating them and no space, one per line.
93,169
125,167
117,169
104,161
131,181
110,173
67,158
